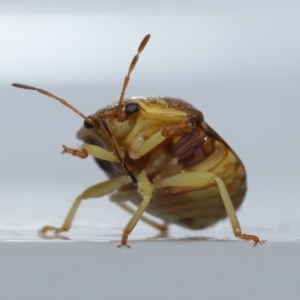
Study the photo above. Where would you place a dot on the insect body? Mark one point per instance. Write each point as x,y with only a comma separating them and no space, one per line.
160,154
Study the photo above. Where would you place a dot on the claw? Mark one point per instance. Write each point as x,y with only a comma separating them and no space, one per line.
249,237
258,241
48,228
124,245
81,152
43,233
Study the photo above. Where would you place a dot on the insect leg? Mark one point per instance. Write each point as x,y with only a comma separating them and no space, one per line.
121,197
158,137
146,220
95,151
95,191
198,179
145,189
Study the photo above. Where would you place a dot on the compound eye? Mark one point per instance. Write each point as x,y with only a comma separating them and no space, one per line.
88,125
131,108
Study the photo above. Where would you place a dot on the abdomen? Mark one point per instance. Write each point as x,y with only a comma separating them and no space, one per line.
196,208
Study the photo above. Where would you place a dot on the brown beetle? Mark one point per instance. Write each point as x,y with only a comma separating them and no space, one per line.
160,154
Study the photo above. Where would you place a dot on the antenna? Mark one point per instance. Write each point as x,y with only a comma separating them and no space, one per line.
127,78
62,101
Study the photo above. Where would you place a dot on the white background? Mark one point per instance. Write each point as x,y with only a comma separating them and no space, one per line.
237,61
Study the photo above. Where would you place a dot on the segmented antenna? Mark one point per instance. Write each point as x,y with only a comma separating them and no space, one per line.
126,81
127,78
62,101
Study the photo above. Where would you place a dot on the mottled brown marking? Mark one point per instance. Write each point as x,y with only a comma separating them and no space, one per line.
177,129
207,146
192,147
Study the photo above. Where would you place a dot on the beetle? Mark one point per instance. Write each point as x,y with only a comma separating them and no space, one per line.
159,154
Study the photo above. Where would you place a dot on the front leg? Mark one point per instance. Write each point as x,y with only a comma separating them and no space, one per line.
95,191
88,149
145,189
